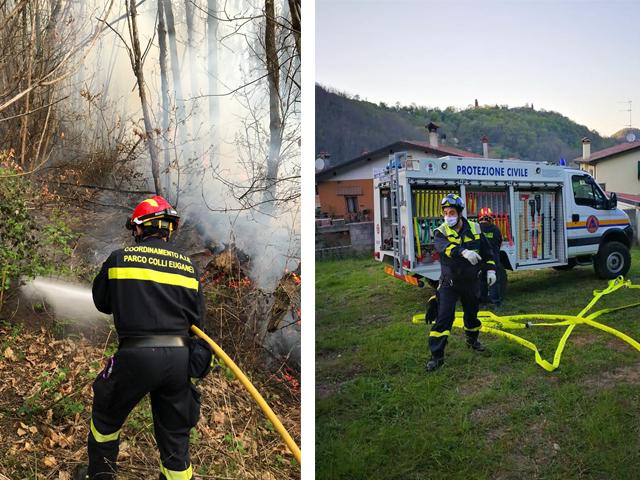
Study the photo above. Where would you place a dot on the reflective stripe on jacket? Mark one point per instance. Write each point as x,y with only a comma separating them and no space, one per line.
151,289
449,244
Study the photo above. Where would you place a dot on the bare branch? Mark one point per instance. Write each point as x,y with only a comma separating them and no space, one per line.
34,110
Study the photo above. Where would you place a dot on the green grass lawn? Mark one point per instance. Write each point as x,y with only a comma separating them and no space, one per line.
498,416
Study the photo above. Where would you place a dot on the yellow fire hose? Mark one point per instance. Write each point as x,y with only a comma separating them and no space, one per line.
252,390
492,323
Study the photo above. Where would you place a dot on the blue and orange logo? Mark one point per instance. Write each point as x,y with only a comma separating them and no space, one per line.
592,224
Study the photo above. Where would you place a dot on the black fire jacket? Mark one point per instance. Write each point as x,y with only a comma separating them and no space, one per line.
450,244
492,232
151,289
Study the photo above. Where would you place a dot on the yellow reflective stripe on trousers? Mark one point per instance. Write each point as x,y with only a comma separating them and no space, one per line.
130,273
175,475
100,438
474,329
433,333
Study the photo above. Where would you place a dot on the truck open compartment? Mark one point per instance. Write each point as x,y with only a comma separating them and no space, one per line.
427,216
495,198
385,219
538,217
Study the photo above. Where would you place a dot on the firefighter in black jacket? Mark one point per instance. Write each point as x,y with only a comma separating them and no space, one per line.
492,232
155,296
462,248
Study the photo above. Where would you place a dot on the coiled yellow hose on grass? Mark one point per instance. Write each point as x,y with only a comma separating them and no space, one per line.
494,324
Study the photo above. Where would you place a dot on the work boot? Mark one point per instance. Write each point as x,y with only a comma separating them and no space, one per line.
162,477
475,344
434,364
81,472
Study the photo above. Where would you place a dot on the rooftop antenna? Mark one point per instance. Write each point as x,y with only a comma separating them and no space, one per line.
628,102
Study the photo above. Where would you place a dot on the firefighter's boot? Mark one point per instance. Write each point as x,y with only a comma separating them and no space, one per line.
472,342
162,477
434,364
81,472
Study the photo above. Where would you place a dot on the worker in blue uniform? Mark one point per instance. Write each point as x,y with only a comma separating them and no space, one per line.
463,251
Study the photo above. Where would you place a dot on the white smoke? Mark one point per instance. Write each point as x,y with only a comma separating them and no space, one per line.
272,241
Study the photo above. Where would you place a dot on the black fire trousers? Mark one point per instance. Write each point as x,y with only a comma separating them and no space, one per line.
447,294
131,374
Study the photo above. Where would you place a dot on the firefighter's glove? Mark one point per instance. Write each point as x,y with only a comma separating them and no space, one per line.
471,256
491,277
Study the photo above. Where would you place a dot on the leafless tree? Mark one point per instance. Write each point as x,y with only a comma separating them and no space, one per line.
164,87
295,11
39,52
135,55
268,145
176,72
275,118
212,71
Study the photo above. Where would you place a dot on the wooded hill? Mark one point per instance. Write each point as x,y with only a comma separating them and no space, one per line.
346,126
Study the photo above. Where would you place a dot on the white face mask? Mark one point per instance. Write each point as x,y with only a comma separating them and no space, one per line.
451,221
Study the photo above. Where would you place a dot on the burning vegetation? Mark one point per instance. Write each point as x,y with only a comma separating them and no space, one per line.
238,309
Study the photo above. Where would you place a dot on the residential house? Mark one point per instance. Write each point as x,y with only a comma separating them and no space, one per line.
616,169
345,190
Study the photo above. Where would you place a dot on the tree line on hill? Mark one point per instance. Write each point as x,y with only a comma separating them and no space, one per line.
347,126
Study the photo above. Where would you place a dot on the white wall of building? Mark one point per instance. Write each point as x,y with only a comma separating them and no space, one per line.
620,174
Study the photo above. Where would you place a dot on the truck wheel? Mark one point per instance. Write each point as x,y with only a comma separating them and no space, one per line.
570,264
613,259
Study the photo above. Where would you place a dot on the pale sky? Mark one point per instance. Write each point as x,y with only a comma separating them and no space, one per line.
579,58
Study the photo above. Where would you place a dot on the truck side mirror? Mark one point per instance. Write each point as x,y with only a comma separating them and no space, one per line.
613,201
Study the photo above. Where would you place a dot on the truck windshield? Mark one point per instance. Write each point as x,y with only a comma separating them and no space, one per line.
587,193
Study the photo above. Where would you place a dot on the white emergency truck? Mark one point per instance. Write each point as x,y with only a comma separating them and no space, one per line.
549,215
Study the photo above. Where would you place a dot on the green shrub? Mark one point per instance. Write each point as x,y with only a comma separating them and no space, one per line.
28,247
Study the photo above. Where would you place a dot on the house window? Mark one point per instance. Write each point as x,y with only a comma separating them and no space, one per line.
352,204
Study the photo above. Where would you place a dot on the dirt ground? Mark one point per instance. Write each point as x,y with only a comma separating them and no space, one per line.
45,399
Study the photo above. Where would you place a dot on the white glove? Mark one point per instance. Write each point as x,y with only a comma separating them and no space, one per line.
471,256
491,277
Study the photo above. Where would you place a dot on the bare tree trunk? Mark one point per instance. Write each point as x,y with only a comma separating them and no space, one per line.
136,63
189,8
191,47
27,104
176,73
164,87
275,119
212,70
294,9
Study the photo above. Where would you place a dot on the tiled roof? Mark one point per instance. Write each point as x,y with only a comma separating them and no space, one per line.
440,150
609,152
446,149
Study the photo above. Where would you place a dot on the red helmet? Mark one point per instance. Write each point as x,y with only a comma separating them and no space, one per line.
154,211
485,212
